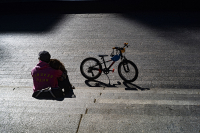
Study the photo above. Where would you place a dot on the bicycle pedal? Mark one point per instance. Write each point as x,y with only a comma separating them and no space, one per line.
113,70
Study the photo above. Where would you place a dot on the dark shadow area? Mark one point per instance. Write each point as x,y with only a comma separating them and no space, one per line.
95,6
56,99
47,97
129,86
35,23
134,87
167,20
179,27
96,83
42,15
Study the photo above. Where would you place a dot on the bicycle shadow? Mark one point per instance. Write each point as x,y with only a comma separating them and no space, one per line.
129,86
96,83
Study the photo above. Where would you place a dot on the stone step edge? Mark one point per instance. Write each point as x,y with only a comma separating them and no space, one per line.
120,90
155,102
129,101
103,105
112,117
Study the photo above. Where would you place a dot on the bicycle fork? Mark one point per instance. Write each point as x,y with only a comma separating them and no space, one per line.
125,65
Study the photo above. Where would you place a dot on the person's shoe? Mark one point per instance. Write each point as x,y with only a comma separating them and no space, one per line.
73,87
70,94
73,96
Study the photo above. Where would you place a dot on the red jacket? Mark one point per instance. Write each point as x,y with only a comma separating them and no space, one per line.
44,76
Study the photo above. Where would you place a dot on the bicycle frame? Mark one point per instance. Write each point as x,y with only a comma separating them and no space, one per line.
104,62
107,69
91,68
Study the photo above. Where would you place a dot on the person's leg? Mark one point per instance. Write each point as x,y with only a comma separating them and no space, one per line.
65,84
67,87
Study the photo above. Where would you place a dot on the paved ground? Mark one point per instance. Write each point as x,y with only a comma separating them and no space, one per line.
94,110
164,46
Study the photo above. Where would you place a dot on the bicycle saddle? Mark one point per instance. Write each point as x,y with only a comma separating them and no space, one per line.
102,55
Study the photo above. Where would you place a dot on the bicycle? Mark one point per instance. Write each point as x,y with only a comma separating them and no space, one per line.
91,68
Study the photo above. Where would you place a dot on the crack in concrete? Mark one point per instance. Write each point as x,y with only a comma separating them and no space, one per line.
79,123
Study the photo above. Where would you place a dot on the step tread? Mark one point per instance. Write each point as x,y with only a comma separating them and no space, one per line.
36,109
138,123
151,110
39,122
103,108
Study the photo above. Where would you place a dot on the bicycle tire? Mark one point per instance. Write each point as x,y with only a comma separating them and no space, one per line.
93,71
132,72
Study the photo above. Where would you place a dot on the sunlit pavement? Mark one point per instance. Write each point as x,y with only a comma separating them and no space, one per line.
164,46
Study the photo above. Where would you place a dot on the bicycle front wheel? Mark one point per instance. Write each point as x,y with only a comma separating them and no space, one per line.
91,68
128,71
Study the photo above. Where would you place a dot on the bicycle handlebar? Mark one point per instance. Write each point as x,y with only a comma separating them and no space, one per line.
119,48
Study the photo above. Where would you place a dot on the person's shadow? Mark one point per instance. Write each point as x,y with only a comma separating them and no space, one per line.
129,86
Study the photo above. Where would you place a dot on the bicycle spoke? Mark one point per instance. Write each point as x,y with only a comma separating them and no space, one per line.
128,71
90,68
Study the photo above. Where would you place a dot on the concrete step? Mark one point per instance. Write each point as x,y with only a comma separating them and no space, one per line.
154,96
64,101
172,99
38,122
86,96
30,109
22,96
152,90
61,122
101,110
69,102
159,102
27,92
115,123
95,91
144,109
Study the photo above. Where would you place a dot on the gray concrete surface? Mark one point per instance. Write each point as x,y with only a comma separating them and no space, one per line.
163,46
92,112
164,98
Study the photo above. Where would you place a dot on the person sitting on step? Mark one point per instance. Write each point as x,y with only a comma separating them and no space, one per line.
63,81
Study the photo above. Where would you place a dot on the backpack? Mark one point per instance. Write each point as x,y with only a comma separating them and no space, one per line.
48,93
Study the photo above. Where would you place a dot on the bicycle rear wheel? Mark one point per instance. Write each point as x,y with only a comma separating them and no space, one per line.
91,68
128,71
